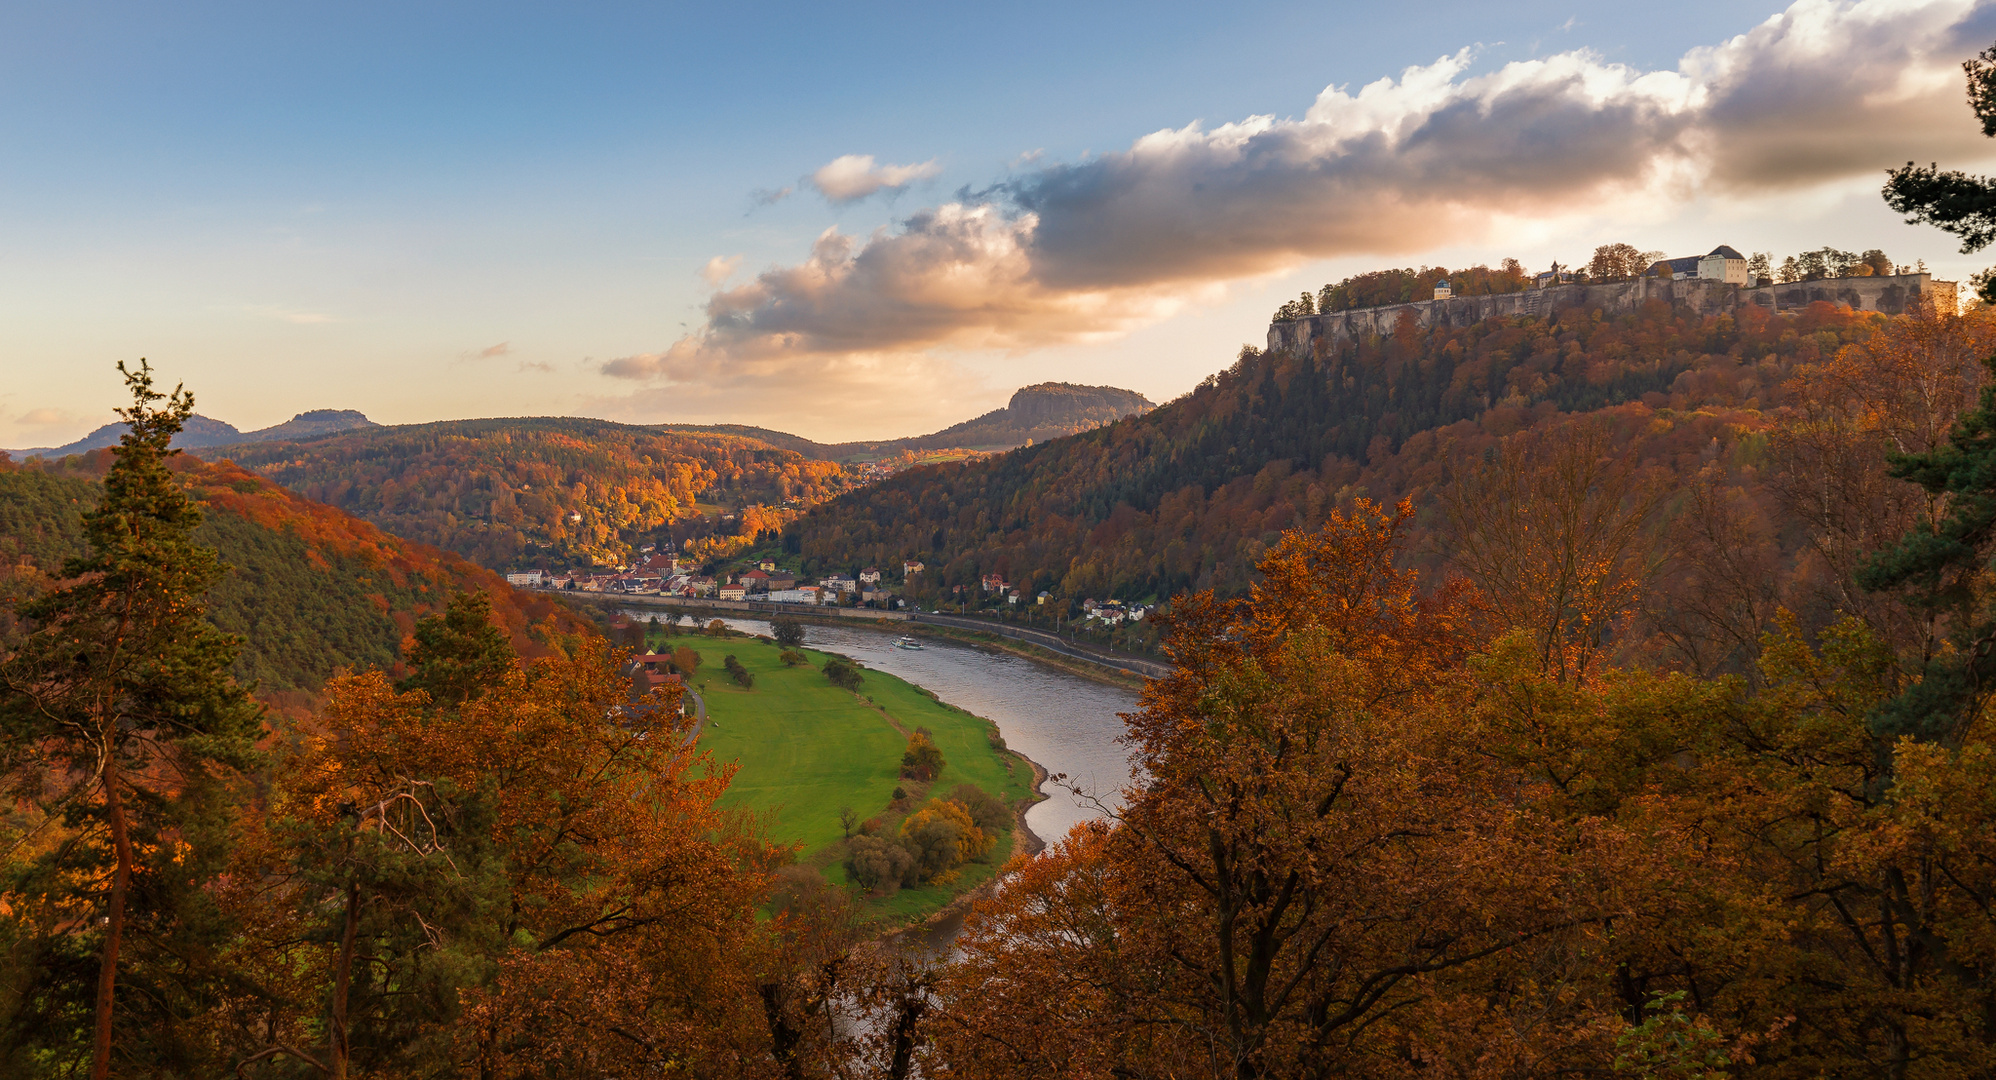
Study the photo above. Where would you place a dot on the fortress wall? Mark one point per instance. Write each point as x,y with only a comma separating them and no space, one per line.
1697,295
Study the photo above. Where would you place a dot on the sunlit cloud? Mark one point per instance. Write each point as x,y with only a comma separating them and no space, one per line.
855,176
492,351
719,269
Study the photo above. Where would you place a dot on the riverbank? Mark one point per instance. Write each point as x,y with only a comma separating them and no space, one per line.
1078,663
1086,669
823,763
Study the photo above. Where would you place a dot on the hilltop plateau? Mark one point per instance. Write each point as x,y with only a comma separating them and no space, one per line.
1721,412
202,431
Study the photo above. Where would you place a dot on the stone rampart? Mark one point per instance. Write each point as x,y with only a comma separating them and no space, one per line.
1702,296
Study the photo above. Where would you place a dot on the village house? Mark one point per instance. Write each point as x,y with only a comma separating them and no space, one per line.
1012,596
993,582
788,596
869,576
527,579
840,582
782,579
912,566
701,585
1043,597
757,580
734,591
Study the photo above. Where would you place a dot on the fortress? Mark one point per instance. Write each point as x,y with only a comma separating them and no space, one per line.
1702,296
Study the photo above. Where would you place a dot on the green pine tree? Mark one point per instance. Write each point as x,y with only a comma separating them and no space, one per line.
120,727
459,653
1955,201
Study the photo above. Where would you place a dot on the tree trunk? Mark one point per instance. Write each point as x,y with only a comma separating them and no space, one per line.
121,877
342,1041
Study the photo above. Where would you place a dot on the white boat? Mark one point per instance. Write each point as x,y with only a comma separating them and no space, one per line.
907,643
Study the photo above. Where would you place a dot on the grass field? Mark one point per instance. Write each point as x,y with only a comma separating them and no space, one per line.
806,748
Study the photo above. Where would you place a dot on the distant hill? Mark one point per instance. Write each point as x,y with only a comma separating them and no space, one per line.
310,589
201,431
1035,414
560,491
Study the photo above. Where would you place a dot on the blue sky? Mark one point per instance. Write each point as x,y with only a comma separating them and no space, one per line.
475,210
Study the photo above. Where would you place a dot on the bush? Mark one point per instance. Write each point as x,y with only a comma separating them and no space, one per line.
737,672
789,632
877,865
987,811
843,674
922,760
792,658
685,661
941,837
717,628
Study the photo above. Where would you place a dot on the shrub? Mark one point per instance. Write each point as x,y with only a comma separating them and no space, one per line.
685,661
737,672
717,628
922,760
843,674
789,632
792,658
941,837
986,810
878,865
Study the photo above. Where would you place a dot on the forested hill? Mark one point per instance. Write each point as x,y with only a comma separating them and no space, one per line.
311,589
1189,496
545,490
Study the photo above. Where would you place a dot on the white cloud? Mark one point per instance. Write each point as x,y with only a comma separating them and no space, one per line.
719,269
1823,94
855,176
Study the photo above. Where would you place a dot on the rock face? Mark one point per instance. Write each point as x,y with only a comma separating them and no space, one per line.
1037,413
1891,295
1062,403
309,425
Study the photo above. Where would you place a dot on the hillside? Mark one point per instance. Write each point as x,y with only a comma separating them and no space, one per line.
311,589
202,431
1191,495
546,490
1034,414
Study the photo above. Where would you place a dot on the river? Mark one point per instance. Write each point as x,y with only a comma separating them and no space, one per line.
1064,722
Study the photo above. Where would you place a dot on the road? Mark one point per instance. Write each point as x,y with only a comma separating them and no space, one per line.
1135,665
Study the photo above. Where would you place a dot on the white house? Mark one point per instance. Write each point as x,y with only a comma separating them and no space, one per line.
526,580
1443,290
912,566
1724,264
869,576
840,582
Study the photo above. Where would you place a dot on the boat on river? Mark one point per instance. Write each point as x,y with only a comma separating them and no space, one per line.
906,643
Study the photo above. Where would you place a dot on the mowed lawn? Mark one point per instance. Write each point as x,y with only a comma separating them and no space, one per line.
806,748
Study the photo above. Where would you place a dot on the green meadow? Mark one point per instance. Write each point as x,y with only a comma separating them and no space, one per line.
804,749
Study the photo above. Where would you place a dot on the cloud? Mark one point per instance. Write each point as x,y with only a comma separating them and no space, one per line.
493,351
719,269
855,176
1069,252
44,418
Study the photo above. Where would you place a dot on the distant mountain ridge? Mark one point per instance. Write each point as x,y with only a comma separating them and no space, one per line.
1036,413
204,431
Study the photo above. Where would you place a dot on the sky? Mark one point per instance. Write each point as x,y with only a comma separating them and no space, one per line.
865,221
